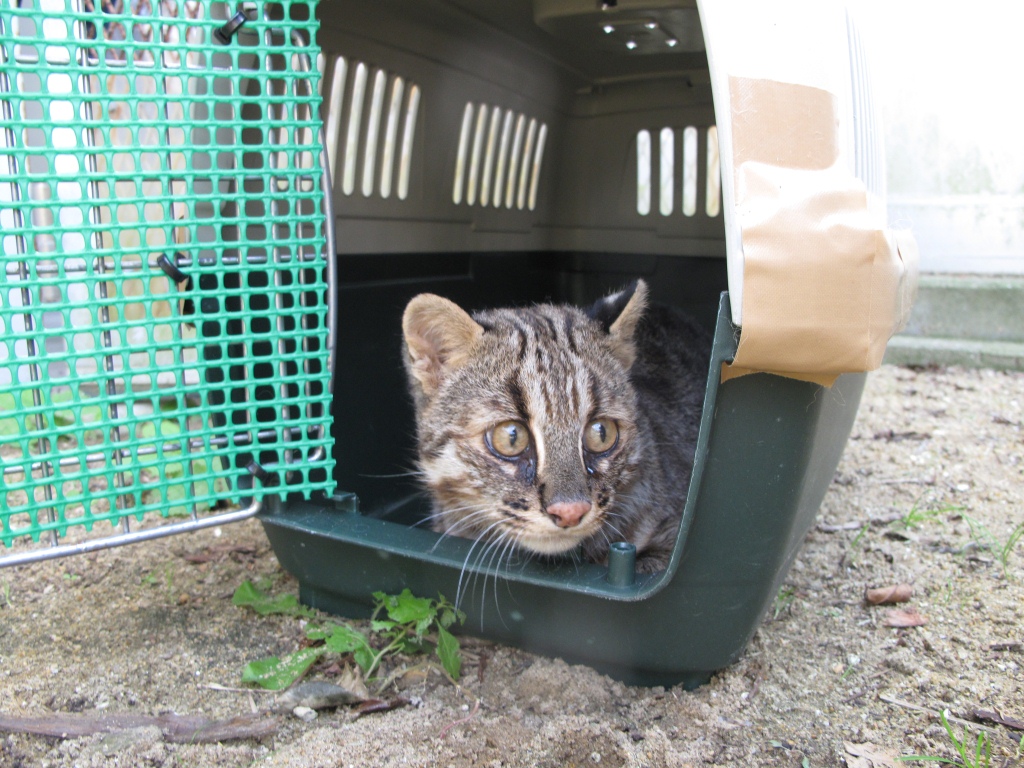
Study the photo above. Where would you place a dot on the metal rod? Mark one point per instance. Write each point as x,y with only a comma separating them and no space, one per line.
132,537
177,208
120,500
149,450
330,256
26,293
180,261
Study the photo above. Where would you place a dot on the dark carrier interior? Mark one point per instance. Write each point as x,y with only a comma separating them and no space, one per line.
504,153
374,424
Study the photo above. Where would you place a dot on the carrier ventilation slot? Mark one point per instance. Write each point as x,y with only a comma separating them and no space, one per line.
499,158
658,181
868,157
370,128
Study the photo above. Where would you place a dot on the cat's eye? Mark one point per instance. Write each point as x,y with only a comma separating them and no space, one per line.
509,439
600,436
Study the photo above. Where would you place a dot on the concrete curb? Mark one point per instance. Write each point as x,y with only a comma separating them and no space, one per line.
973,321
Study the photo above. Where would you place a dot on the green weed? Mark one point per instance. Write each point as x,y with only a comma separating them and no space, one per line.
918,515
784,600
860,535
987,540
400,623
981,758
249,595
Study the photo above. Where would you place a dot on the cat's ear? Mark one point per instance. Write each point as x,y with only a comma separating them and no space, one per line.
619,315
439,337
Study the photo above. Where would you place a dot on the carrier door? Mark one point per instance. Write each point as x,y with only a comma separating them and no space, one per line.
817,281
165,330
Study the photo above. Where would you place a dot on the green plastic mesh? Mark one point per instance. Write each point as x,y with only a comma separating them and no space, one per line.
163,304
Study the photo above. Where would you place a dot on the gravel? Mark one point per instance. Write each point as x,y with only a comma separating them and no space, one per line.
929,493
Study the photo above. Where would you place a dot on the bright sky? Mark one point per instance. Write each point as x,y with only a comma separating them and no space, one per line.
958,63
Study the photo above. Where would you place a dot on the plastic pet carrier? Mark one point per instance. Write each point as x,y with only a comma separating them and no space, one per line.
184,342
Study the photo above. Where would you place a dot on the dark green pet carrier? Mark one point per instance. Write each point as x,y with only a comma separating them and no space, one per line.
184,342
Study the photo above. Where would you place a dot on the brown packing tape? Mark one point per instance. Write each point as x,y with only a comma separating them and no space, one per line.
823,280
805,119
730,371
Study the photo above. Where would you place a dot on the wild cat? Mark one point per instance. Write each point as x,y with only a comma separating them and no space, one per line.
551,427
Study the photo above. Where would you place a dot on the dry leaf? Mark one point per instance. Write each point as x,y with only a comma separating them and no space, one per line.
868,756
351,678
909,617
317,694
899,593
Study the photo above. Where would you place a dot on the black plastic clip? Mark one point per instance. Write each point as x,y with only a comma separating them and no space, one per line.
268,479
172,271
225,33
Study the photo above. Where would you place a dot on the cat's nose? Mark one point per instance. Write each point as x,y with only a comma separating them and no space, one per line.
567,514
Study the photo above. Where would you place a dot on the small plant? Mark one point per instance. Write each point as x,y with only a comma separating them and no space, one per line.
248,595
784,600
853,551
400,623
918,516
987,540
1011,543
860,535
981,758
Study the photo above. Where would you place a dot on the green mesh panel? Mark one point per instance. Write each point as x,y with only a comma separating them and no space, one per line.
163,302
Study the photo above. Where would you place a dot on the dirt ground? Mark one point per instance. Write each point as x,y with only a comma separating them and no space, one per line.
929,491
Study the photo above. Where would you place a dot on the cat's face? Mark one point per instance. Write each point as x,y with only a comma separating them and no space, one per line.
526,418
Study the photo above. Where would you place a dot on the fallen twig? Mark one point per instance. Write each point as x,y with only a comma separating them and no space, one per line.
1013,645
932,712
182,729
466,719
862,692
902,481
229,689
370,706
999,718
856,525
826,528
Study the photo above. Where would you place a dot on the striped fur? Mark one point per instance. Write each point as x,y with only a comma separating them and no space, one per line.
555,370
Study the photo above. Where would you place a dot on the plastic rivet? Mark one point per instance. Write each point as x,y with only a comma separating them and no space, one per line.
622,564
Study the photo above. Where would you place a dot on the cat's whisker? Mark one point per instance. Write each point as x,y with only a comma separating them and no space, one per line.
495,551
463,523
511,545
411,473
491,553
610,526
443,514
465,564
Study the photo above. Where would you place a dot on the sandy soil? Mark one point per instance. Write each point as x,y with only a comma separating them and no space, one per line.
928,493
